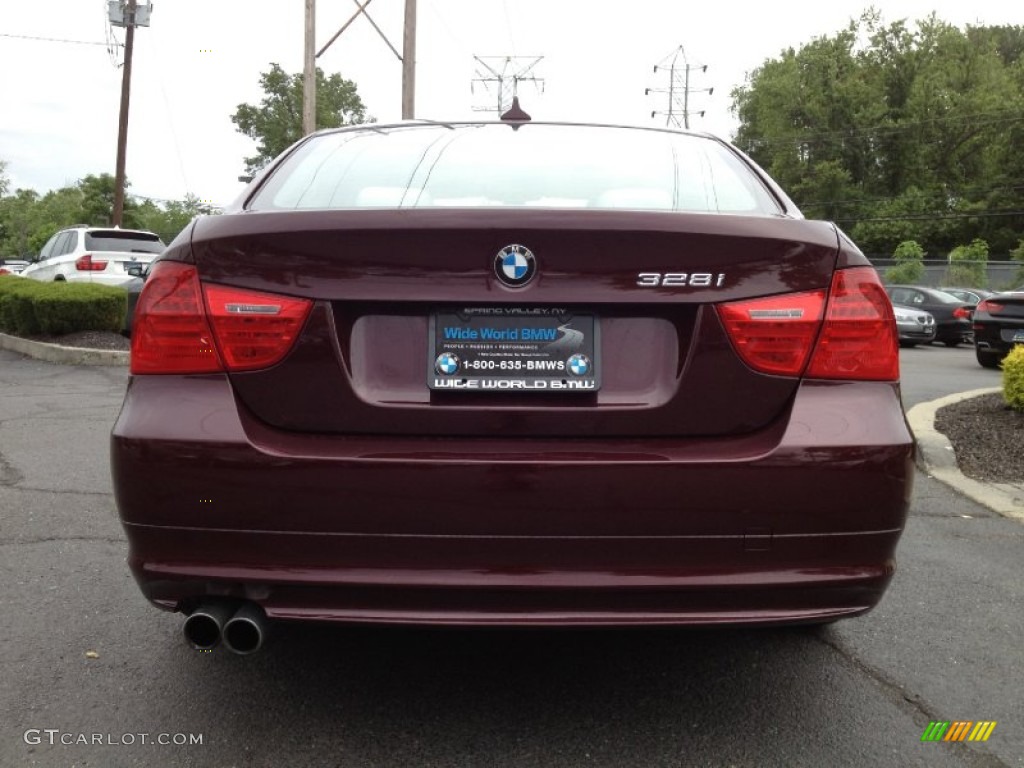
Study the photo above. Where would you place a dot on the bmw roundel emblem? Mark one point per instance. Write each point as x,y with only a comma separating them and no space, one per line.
515,265
579,365
447,364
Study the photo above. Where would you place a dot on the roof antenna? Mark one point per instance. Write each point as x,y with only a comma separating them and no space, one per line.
516,113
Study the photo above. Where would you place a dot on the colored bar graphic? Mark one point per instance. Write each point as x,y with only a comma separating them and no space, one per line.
982,731
958,730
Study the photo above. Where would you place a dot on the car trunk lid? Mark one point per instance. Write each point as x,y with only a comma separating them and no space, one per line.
649,280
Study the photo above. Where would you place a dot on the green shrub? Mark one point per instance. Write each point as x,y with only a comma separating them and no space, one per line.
1017,254
909,267
968,265
1013,378
16,309
29,307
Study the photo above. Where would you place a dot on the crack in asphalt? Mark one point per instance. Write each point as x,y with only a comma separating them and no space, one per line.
906,700
53,539
58,491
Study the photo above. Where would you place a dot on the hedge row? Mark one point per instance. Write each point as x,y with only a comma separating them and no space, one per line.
29,307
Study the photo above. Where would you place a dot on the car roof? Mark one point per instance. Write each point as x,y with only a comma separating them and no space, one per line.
512,124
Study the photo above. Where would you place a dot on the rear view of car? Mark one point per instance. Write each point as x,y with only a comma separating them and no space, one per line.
915,326
998,326
95,255
515,374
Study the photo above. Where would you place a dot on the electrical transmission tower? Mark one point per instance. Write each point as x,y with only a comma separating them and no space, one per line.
507,72
678,70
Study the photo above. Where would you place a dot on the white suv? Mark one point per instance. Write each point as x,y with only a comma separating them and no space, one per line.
94,255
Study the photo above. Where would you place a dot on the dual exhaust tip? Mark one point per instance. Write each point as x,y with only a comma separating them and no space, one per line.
241,629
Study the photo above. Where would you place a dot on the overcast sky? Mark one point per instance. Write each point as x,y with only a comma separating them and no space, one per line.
201,58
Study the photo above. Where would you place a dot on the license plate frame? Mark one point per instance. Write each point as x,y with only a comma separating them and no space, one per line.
514,349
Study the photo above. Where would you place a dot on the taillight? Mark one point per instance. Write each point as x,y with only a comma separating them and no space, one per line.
85,263
775,334
992,307
182,326
253,329
962,313
858,337
170,332
854,329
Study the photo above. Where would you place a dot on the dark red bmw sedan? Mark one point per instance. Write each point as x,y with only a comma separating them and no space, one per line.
511,373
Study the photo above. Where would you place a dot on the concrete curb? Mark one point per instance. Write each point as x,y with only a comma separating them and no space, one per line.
55,353
936,457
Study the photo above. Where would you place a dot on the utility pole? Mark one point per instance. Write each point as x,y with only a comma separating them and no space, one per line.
678,89
507,72
124,16
409,62
408,47
309,71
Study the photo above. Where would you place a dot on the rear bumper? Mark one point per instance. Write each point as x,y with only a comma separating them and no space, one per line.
114,279
954,330
798,522
995,338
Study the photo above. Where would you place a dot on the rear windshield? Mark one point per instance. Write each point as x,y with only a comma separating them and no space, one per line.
542,166
125,242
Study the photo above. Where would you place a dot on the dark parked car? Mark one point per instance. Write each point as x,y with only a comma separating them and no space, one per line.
511,373
972,296
952,316
998,326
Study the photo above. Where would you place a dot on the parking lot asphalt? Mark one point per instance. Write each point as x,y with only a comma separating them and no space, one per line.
83,654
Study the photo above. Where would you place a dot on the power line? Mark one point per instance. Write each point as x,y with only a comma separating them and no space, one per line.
935,216
902,127
943,193
508,24
53,39
446,26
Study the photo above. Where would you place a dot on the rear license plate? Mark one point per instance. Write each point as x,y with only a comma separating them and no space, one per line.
535,349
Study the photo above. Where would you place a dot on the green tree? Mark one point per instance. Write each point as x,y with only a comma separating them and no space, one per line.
17,222
276,123
98,202
57,208
909,267
173,217
28,220
5,183
896,131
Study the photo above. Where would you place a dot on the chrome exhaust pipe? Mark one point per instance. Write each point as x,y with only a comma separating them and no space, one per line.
204,626
244,631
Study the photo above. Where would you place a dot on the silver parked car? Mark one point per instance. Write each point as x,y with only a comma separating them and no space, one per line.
915,326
